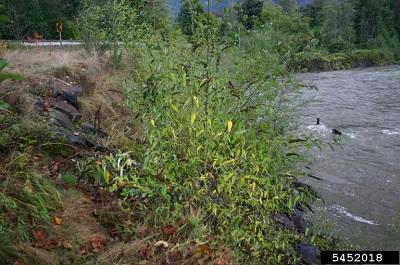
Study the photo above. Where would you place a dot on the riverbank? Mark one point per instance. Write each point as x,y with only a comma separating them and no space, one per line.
321,61
77,183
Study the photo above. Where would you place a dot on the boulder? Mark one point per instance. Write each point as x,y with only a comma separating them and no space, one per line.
67,91
66,108
60,119
294,221
89,128
311,254
71,138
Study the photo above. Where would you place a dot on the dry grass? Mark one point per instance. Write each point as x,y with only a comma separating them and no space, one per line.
40,60
102,100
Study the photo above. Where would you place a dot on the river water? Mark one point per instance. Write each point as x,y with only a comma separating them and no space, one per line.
361,180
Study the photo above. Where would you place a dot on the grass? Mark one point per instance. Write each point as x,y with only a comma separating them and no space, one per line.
27,199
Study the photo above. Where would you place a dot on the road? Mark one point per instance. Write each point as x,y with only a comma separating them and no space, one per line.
50,43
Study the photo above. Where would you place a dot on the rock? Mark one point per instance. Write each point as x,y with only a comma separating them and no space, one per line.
76,140
310,253
300,222
72,138
66,108
283,219
293,221
60,119
68,92
89,128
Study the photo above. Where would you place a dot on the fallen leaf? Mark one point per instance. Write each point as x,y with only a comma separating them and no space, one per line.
169,230
83,250
17,262
203,251
97,243
39,235
176,256
161,243
144,252
220,262
57,220
66,244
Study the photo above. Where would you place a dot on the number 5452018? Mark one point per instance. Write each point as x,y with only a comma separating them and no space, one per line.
360,257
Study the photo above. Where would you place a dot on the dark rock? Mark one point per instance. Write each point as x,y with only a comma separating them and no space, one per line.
68,92
71,138
310,253
300,222
337,132
76,140
60,119
89,128
293,221
283,219
66,108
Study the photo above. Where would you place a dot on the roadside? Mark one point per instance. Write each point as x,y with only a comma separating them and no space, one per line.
63,112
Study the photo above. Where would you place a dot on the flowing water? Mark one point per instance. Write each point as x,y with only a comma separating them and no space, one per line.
361,180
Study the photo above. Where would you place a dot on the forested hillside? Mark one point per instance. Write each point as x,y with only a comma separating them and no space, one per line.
305,31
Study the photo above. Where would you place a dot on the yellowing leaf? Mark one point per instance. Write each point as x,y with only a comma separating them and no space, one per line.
174,107
28,189
106,176
193,118
229,161
57,220
196,100
254,187
153,123
230,125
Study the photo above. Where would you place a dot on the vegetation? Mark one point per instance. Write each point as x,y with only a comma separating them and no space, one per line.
216,156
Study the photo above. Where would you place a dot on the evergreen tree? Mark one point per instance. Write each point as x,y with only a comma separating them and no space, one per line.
186,18
395,4
337,30
250,11
157,13
289,6
376,23
314,12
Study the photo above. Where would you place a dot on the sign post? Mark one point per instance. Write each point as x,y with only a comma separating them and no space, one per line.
59,28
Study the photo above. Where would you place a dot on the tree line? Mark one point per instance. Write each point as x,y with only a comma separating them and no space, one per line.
336,25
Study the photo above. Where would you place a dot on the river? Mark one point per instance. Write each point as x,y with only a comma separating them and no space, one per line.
361,180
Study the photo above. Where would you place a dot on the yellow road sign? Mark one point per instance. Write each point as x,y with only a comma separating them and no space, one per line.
59,27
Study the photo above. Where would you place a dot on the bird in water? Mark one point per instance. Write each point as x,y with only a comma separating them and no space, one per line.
337,132
334,131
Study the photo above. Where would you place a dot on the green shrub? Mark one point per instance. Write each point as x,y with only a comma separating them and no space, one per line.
215,143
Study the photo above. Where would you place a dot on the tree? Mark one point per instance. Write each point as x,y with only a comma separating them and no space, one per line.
157,13
289,6
376,23
27,17
396,10
337,30
314,12
250,11
188,11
